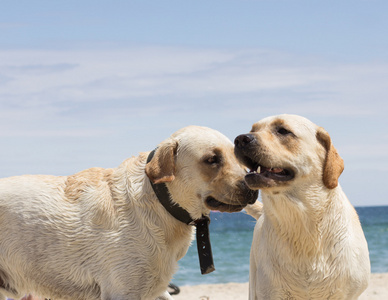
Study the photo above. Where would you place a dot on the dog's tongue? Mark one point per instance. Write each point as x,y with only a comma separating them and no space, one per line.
261,169
271,170
276,170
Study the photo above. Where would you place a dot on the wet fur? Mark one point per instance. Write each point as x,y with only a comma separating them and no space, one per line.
102,233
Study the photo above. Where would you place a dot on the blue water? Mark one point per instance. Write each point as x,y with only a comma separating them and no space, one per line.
231,238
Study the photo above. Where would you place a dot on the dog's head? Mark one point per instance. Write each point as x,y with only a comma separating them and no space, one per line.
201,171
282,150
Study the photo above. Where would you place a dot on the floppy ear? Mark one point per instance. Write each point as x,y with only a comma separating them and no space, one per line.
161,168
333,165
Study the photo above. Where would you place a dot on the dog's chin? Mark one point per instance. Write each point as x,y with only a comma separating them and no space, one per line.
214,204
261,177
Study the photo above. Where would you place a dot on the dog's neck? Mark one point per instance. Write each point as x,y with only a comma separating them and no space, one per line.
299,217
163,195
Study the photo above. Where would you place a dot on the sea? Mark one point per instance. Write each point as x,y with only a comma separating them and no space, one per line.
231,238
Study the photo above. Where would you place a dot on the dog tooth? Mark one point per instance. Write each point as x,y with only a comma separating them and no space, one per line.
258,169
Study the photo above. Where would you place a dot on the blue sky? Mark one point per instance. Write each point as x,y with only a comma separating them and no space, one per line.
90,83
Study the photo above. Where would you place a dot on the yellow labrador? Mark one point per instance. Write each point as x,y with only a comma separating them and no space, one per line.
308,242
102,233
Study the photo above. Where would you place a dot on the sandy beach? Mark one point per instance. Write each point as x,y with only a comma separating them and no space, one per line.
377,290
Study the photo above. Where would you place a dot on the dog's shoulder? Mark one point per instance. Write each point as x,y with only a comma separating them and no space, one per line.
92,192
87,181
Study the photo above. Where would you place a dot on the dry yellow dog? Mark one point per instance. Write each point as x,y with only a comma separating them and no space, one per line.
308,242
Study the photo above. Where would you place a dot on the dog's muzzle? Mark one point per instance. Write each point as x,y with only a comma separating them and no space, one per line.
245,146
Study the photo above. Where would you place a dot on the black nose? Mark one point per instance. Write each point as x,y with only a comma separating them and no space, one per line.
243,140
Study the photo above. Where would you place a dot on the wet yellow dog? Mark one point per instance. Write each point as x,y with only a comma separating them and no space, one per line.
102,233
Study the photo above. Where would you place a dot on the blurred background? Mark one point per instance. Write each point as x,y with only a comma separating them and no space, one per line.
91,83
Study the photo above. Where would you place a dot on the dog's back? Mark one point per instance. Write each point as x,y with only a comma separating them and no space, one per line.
60,234
40,233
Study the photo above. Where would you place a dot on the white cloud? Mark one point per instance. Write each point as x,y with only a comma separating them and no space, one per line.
47,77
54,133
55,85
65,110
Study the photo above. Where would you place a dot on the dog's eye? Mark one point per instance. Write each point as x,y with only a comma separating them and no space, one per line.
212,160
283,131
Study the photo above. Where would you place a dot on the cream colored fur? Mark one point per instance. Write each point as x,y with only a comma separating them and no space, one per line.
308,242
102,233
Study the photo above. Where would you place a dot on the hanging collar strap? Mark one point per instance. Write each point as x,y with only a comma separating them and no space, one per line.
202,225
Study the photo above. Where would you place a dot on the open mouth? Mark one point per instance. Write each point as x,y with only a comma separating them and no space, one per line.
261,176
278,174
214,204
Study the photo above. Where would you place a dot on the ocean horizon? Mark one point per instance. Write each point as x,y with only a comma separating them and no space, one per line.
231,238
